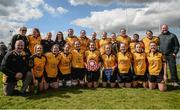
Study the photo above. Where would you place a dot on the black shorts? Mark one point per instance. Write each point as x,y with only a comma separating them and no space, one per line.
140,77
112,78
124,77
93,76
39,79
65,77
78,73
51,80
156,78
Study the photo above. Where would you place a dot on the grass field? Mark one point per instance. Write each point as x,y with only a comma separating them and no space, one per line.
101,98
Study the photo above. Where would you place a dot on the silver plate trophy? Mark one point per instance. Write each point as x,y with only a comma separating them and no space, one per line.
92,65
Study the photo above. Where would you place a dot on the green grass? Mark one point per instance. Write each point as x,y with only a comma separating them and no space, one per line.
101,98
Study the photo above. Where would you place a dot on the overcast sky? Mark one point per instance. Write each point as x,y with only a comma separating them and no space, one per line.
92,15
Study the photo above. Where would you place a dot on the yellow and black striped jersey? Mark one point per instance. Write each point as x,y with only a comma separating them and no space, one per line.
32,42
51,66
77,58
84,42
65,63
124,62
38,65
109,61
155,63
126,40
139,63
102,44
147,41
92,55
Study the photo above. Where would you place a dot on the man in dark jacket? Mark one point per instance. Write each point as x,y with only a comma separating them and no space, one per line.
15,67
169,46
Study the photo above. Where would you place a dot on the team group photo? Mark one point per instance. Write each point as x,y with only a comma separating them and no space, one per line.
93,62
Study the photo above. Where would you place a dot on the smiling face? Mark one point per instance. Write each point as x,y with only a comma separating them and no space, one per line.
35,33
92,46
104,35
77,45
153,47
123,48
23,31
38,49
138,48
94,35
49,36
164,28
123,32
108,49
66,48
83,33
19,46
149,34
70,32
135,37
59,36
55,49
113,36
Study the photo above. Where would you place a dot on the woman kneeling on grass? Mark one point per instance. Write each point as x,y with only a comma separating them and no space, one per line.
51,67
65,67
156,68
92,65
124,66
109,67
37,62
139,66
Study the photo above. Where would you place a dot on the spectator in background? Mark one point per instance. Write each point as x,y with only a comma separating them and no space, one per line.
60,40
3,51
47,43
169,46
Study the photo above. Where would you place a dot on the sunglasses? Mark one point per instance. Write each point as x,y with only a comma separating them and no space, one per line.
23,30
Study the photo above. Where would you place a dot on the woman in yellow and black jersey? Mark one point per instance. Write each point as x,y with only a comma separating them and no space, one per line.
71,38
134,41
78,66
37,62
109,65
103,42
124,66
51,67
149,38
156,68
34,39
139,66
92,63
65,66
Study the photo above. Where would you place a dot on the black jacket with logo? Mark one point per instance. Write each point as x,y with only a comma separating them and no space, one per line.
13,63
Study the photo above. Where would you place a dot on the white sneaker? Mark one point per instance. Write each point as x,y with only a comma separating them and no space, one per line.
68,83
175,84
